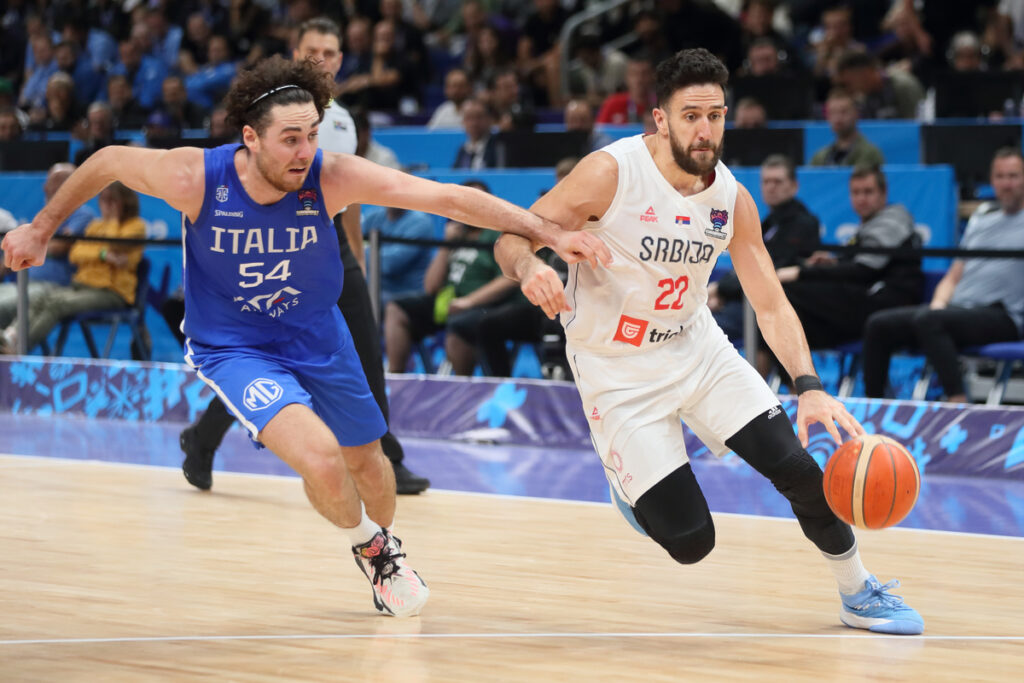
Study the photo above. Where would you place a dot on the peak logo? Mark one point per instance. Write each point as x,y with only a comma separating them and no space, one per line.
649,216
630,330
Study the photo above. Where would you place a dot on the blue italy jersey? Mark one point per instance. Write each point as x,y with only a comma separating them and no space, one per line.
258,274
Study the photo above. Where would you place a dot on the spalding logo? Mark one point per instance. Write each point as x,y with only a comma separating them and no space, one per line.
631,330
261,393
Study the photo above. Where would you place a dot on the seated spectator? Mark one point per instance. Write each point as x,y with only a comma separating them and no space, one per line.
408,40
478,151
99,131
791,234
385,82
55,271
456,91
87,79
757,23
402,266
836,40
979,301
128,113
879,93
105,275
834,297
165,37
639,98
10,125
462,284
750,114
207,86
965,52
217,124
850,147
651,43
358,55
367,147
485,56
596,72
537,52
517,320
33,90
762,59
512,110
195,43
62,112
145,73
175,103
579,116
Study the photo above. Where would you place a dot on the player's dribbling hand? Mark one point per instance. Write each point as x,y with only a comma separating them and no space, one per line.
576,246
544,288
23,248
818,406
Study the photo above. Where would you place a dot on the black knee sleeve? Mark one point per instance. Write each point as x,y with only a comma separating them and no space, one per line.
771,448
675,514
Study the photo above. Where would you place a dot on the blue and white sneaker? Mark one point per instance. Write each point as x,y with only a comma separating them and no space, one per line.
878,610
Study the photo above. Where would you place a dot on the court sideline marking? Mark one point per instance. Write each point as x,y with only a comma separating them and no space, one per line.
449,636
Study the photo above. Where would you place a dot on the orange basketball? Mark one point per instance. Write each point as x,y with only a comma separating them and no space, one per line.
871,482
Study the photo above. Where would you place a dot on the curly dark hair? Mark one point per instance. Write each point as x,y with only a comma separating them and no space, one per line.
248,102
688,67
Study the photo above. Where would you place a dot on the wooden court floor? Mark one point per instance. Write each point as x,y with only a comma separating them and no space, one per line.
114,572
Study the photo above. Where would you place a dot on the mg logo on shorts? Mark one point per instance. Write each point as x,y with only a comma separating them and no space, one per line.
631,330
261,393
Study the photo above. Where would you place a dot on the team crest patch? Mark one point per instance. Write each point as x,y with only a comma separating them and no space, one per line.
221,193
308,199
719,218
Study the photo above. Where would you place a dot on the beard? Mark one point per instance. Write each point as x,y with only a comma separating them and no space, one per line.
688,163
283,183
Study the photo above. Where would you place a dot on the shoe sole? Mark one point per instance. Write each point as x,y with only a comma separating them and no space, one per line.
900,627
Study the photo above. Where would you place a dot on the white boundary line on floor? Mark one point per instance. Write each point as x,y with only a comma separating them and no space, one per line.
499,636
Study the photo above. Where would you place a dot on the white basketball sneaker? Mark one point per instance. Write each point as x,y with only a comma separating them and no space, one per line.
398,591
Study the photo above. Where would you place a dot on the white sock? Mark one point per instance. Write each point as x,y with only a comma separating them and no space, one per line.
364,531
849,570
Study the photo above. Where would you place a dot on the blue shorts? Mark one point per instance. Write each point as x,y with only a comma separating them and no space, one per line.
256,382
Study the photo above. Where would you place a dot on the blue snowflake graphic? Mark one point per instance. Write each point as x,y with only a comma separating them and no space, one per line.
495,410
920,457
59,370
23,374
953,438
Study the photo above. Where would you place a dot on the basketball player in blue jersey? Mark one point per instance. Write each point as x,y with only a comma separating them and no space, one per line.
319,40
262,279
645,350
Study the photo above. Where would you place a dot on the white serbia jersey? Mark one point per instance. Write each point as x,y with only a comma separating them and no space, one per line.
664,247
337,130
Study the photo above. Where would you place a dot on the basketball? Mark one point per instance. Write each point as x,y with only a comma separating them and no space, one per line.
871,482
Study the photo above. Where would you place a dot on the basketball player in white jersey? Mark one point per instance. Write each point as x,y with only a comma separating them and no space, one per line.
646,352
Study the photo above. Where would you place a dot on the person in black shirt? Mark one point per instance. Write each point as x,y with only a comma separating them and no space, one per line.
791,234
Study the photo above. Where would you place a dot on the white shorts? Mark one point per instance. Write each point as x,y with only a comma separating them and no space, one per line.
634,403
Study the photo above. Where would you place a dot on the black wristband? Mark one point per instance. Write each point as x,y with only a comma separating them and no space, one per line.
807,383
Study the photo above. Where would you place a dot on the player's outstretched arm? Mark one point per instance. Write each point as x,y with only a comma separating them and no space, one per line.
175,175
779,323
347,179
583,195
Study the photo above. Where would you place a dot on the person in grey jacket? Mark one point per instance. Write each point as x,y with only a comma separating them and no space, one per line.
833,297
979,301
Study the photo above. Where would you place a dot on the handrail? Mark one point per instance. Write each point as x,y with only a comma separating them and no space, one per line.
570,26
